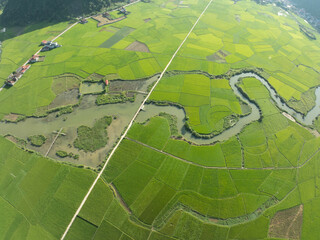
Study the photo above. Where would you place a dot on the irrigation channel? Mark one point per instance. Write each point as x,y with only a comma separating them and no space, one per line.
152,110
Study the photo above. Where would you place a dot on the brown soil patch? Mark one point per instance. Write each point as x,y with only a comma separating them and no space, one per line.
11,117
138,47
65,98
218,56
130,94
213,220
147,20
104,21
41,58
119,86
287,223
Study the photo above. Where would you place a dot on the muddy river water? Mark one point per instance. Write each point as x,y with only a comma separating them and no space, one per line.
151,110
88,112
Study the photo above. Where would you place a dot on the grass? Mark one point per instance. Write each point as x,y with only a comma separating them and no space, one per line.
91,139
37,140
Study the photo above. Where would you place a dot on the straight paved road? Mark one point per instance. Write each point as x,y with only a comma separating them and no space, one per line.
129,126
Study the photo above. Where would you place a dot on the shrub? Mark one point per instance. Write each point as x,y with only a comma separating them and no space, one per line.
37,140
61,154
91,139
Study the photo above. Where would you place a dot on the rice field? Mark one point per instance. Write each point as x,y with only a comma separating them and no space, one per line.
157,186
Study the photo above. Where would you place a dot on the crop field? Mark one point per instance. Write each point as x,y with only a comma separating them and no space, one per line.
262,38
37,195
207,102
87,49
260,183
189,192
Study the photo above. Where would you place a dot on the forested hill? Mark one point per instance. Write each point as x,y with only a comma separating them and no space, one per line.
22,12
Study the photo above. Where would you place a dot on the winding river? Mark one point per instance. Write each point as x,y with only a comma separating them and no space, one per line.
152,110
88,110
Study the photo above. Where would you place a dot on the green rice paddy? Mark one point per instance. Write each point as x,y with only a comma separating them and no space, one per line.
157,185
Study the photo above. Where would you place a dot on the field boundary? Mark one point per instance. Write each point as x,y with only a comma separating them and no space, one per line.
131,123
221,168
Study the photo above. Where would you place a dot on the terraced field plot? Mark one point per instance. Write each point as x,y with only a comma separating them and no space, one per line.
157,186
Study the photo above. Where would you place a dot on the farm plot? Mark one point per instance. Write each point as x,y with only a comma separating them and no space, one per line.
262,39
209,104
38,196
82,56
170,186
165,200
156,187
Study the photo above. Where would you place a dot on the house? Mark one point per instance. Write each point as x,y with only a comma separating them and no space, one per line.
106,82
34,59
15,76
45,49
83,21
49,46
123,10
11,81
43,43
24,69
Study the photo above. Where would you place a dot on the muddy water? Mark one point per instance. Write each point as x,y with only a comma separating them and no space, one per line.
306,120
152,110
86,114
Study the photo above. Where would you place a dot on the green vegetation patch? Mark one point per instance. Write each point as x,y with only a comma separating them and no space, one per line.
37,140
63,154
91,139
113,98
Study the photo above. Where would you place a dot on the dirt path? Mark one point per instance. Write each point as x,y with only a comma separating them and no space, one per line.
54,140
130,125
